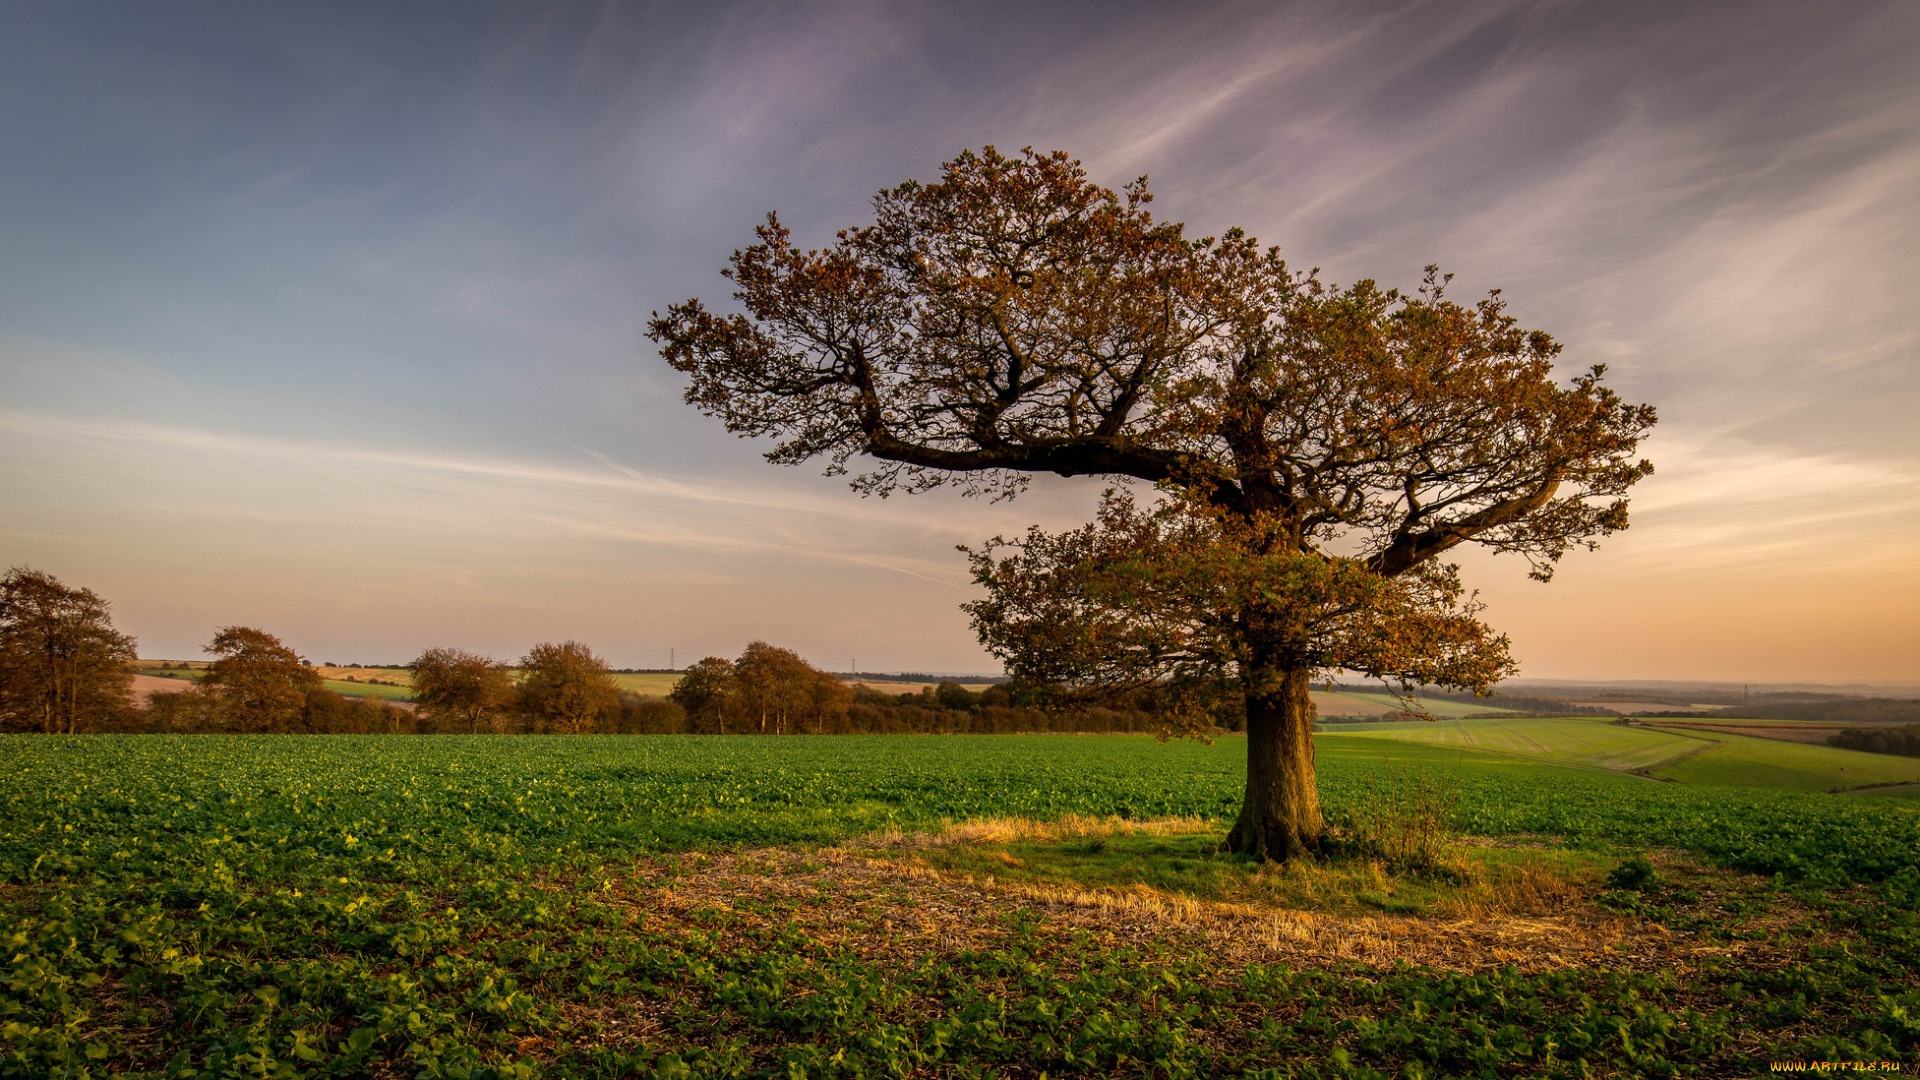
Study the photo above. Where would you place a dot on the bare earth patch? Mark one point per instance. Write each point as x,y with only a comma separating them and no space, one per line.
145,686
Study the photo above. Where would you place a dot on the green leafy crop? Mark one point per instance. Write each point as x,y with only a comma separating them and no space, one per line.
343,906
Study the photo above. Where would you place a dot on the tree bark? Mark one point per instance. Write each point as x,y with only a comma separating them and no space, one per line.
1280,817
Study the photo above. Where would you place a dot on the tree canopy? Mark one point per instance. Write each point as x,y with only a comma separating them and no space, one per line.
259,683
567,685
453,685
768,690
62,664
1315,448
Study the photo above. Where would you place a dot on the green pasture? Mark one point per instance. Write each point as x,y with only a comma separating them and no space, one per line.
191,676
1345,703
1750,761
1682,755
1904,791
1598,744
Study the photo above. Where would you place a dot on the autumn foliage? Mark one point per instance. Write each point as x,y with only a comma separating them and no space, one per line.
768,691
260,684
63,667
567,685
1315,449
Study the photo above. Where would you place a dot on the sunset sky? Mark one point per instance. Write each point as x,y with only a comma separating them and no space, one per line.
329,319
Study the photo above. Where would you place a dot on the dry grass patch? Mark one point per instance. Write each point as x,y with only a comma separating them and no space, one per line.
1011,830
894,904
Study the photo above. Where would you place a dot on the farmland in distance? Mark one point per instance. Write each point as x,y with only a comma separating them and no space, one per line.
1684,755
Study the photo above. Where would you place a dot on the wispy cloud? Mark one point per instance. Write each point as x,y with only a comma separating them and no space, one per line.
607,500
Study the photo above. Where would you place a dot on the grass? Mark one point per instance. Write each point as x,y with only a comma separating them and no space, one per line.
402,676
361,689
1363,704
1597,744
1747,761
1181,858
1905,791
652,683
185,677
1713,759
402,692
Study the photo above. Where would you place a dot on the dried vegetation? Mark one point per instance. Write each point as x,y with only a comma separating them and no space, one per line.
887,899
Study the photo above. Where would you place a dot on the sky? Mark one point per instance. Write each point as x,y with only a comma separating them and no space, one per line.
329,319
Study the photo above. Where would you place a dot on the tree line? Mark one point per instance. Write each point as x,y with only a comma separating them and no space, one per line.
1904,741
65,669
769,690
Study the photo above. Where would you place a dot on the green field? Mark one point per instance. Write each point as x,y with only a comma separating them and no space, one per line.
1905,791
1748,761
360,689
339,686
1689,757
457,906
1575,741
1346,703
651,683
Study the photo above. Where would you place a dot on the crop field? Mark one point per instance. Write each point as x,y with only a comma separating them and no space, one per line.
913,906
1599,744
888,686
1347,703
358,687
403,692
1746,761
384,674
1784,730
1897,791
393,684
653,683
1710,758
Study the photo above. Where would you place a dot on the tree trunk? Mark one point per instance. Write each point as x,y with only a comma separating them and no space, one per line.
1280,818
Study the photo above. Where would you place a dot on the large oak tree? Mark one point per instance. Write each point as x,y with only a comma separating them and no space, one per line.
1315,449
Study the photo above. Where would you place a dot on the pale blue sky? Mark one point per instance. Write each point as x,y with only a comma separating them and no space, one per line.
328,318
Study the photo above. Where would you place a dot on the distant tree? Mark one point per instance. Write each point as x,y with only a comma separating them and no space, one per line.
1316,449
647,715
461,687
954,696
768,691
182,711
707,692
829,701
62,664
774,686
567,685
1904,740
259,683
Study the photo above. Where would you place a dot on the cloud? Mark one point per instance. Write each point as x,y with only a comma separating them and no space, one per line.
1723,507
242,477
